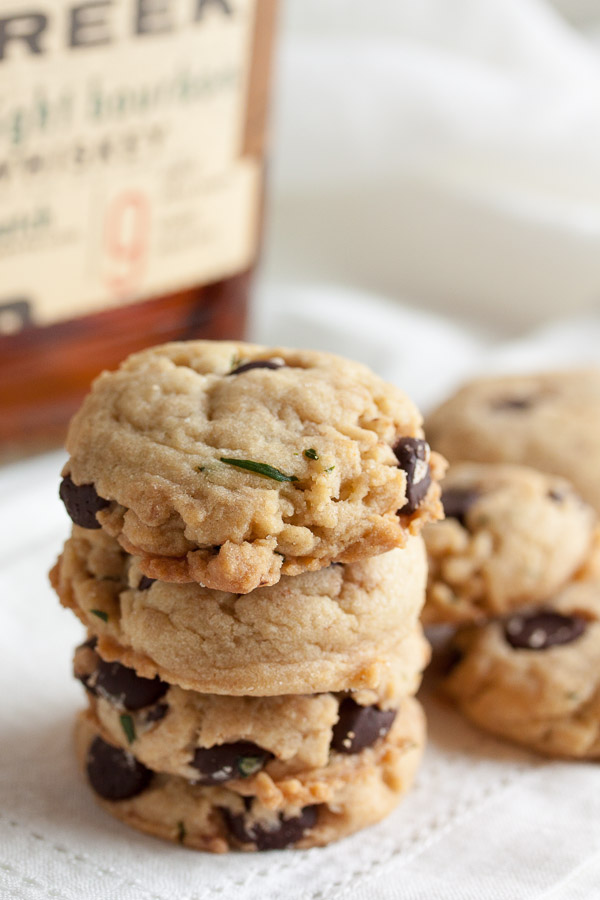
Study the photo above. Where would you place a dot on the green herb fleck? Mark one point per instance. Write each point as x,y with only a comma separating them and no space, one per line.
200,468
249,765
100,613
181,832
258,468
330,469
311,453
128,727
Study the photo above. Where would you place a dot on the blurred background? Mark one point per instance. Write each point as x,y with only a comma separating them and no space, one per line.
442,155
447,151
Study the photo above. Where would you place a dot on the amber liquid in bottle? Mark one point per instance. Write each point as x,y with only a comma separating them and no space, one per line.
45,370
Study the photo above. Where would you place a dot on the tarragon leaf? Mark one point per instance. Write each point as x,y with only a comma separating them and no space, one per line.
249,765
258,468
128,727
100,613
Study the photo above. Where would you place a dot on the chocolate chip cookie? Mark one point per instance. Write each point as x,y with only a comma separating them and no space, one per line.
231,465
512,537
548,421
212,739
345,627
534,676
314,807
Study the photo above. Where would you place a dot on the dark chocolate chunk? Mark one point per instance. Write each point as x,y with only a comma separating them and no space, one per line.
84,678
457,502
449,659
89,644
517,403
288,832
360,726
542,629
413,455
115,774
157,712
81,502
124,686
557,496
257,364
145,583
227,761
85,663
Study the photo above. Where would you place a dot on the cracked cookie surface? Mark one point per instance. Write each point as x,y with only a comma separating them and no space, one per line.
231,464
512,536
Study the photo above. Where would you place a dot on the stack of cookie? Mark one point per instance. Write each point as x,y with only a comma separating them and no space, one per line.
516,563
246,558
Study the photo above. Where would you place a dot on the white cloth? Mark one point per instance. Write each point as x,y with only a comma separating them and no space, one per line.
445,149
387,108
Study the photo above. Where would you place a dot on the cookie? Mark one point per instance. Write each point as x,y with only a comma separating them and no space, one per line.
215,739
346,627
534,677
311,809
548,421
512,537
231,465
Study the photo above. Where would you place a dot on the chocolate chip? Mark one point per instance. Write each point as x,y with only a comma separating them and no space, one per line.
257,364
85,680
122,685
287,832
115,774
542,629
413,457
557,496
517,403
145,583
359,726
85,662
157,712
226,761
449,659
457,502
90,644
81,502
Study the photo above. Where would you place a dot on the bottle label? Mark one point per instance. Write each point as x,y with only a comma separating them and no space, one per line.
130,145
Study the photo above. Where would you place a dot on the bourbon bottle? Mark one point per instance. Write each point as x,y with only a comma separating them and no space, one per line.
132,136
